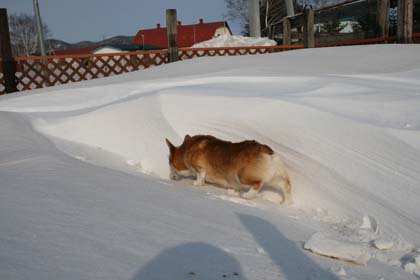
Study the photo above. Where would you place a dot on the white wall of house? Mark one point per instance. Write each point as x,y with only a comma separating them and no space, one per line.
222,30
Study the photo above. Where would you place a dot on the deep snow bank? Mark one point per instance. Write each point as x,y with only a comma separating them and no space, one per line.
346,121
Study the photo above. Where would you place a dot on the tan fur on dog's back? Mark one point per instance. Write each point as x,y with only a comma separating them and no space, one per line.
232,165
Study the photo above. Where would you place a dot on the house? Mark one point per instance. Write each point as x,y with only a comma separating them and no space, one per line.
78,51
188,35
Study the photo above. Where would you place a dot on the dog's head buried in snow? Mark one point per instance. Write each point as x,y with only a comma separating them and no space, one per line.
244,165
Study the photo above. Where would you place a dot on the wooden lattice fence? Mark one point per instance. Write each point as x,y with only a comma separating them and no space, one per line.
38,72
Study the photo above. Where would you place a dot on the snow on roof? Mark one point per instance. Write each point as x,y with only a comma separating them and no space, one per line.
234,41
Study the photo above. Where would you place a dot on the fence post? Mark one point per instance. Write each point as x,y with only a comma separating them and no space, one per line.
8,63
382,20
405,21
308,27
172,32
287,32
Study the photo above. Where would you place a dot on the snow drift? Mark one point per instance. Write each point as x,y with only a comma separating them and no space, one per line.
345,120
235,41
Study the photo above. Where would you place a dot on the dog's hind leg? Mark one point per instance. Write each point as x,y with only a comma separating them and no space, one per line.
253,191
283,184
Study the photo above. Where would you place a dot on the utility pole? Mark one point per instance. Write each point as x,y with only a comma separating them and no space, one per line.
254,18
39,28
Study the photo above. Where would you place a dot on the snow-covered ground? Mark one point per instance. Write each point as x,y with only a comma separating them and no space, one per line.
84,189
235,41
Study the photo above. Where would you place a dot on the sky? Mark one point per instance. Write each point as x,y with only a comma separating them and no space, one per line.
78,20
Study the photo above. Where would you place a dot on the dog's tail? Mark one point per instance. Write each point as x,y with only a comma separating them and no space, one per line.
281,179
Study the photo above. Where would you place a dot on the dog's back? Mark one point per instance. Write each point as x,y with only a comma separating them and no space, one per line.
232,165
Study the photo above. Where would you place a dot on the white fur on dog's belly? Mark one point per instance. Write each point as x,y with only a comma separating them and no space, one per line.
186,173
220,182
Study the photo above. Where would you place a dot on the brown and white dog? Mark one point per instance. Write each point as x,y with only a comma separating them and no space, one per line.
246,164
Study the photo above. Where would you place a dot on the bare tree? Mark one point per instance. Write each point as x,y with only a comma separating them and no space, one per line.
237,10
23,34
272,12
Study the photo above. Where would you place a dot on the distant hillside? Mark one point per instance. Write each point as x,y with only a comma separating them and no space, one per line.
55,45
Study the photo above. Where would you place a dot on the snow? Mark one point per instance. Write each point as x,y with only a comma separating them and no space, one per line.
325,245
417,261
369,223
383,244
227,40
410,267
84,190
339,271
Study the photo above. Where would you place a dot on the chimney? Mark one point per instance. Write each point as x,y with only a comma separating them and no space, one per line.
158,25
201,21
179,23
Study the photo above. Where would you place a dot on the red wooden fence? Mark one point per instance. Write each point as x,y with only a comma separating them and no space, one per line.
41,71
37,72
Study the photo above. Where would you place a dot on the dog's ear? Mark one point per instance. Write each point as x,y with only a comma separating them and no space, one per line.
187,137
170,145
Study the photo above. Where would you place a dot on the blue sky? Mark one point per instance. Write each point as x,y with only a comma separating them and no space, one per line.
78,20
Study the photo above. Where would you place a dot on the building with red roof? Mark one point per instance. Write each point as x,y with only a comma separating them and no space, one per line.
188,35
86,50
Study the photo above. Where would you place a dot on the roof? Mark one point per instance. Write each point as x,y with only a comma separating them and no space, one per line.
86,50
133,47
188,35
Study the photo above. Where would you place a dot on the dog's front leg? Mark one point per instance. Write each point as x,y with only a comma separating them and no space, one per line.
201,178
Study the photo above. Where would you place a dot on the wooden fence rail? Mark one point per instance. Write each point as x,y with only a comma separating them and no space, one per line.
357,42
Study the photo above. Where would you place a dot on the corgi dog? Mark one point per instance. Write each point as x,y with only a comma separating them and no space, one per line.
245,165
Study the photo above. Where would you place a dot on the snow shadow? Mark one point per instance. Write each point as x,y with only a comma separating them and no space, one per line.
191,261
290,259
